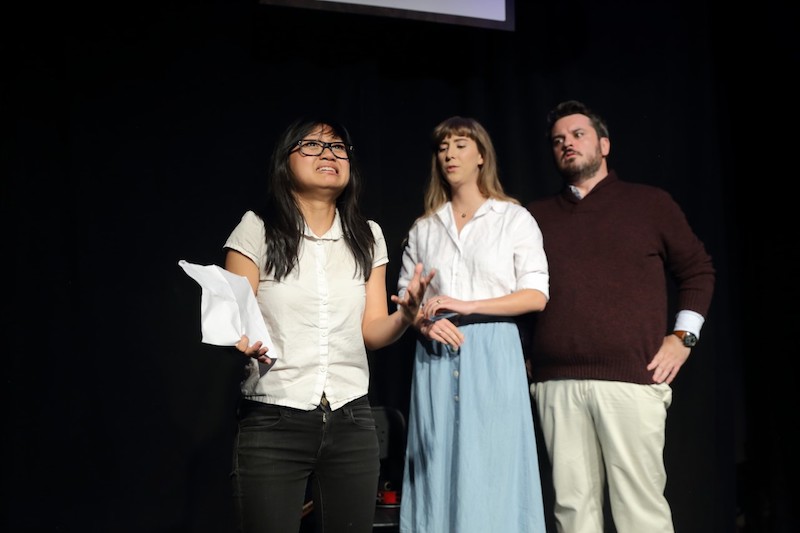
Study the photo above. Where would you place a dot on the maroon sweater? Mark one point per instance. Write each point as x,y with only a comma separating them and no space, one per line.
609,255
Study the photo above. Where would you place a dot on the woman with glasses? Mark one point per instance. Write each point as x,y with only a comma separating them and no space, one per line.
471,458
318,269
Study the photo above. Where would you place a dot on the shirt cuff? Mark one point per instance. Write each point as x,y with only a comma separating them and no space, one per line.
689,321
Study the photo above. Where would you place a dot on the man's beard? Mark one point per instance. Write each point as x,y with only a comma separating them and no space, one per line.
576,171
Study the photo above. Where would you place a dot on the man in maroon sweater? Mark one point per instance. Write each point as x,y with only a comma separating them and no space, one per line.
601,355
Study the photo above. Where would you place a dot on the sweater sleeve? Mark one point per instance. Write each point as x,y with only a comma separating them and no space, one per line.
687,260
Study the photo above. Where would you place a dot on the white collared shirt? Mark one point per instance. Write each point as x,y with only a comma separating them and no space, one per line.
499,251
313,316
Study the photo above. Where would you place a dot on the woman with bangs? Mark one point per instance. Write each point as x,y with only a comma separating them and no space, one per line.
471,458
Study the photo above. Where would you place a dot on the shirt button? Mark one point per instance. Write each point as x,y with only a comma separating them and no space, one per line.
455,397
455,374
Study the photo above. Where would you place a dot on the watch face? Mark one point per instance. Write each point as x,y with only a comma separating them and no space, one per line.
689,339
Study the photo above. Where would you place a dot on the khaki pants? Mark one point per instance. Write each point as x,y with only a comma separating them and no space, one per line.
598,430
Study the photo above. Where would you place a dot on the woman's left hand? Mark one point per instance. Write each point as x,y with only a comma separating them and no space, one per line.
257,351
443,303
411,302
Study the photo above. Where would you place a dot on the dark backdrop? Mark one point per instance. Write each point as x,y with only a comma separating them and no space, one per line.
136,135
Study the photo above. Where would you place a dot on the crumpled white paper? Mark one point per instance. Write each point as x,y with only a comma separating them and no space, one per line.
228,308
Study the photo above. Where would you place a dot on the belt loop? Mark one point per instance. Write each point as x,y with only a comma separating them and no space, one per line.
323,402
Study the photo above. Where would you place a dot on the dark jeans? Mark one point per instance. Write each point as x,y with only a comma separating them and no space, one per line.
278,449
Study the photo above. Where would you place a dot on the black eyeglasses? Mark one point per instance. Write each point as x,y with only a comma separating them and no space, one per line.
315,147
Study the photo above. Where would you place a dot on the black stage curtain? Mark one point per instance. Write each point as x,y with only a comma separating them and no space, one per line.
136,135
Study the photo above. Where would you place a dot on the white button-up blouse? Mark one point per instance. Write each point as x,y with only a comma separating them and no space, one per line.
499,251
313,316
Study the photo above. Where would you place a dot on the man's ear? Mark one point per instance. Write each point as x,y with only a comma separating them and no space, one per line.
605,146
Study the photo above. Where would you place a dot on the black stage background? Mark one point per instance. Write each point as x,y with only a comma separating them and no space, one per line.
136,135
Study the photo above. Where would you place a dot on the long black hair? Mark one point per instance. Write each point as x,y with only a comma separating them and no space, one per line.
282,217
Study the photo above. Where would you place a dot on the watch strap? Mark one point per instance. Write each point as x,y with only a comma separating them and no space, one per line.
688,339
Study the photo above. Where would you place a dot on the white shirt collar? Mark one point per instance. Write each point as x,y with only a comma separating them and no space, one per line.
445,212
333,234
576,191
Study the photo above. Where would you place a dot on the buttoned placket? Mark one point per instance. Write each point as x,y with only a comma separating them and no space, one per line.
321,259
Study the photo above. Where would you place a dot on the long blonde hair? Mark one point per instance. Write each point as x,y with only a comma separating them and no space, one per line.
438,191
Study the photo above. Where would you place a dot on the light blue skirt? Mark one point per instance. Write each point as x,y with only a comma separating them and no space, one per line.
471,459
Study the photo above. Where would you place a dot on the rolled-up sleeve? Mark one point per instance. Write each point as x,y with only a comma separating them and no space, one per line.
530,260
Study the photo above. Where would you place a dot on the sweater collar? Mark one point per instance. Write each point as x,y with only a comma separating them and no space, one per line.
570,192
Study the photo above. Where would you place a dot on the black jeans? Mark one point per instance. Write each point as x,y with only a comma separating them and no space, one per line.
278,449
